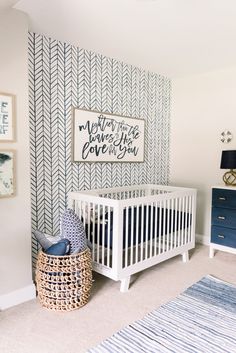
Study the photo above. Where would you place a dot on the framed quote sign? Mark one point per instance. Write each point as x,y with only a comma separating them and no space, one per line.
7,117
101,137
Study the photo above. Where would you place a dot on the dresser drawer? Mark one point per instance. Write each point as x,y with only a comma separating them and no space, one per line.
224,198
223,217
223,236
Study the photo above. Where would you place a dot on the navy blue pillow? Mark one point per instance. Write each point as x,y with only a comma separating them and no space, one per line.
59,249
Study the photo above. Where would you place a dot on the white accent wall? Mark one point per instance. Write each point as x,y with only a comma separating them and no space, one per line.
15,226
202,107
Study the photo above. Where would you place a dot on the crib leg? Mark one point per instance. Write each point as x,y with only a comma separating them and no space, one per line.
125,284
185,256
211,252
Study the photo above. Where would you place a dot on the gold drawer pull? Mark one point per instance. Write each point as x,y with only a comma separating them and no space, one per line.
221,217
221,236
222,198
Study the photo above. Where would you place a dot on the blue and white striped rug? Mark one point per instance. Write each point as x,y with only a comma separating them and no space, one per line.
202,319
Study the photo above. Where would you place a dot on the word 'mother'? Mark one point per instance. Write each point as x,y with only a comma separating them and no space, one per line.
110,137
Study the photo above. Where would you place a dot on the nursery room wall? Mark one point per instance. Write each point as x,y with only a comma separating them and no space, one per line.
62,76
15,231
203,106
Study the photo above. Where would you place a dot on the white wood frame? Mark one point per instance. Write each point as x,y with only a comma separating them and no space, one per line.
214,246
119,262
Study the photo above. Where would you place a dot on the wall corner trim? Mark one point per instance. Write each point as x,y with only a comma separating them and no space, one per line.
202,239
17,297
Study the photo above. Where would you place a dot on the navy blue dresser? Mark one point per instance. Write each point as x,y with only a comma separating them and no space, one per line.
223,220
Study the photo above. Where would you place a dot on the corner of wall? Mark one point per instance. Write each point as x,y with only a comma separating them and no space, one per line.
15,252
202,239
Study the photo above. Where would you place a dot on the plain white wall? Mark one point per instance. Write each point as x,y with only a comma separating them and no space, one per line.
202,107
15,223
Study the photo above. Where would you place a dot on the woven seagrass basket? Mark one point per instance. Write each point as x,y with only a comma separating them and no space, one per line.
64,282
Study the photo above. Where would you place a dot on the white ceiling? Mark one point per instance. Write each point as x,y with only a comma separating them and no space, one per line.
170,37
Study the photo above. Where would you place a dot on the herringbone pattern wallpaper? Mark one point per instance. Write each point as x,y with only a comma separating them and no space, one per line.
62,76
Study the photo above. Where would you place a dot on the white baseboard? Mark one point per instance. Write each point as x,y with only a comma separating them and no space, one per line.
17,297
202,239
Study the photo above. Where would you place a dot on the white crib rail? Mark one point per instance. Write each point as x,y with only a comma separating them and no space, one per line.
132,228
166,224
95,213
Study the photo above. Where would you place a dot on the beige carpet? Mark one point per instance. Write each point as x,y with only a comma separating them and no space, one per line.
28,328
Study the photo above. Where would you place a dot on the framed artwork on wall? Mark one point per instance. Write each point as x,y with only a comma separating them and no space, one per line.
7,173
7,117
103,137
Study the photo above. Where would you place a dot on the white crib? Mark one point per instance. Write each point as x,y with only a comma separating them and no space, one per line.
135,227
